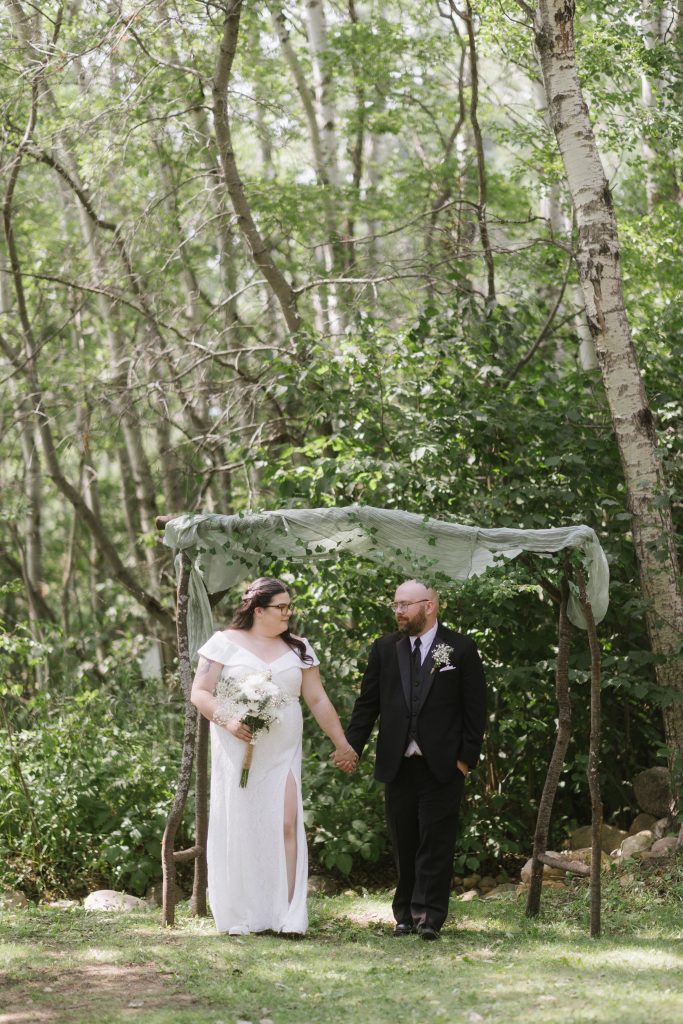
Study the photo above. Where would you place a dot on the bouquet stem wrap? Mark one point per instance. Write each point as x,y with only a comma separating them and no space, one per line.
246,764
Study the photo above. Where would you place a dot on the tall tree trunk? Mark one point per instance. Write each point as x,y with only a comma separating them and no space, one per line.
319,114
467,16
355,155
598,261
233,183
317,39
550,208
657,18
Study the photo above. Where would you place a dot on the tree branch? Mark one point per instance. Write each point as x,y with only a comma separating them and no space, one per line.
280,287
545,330
468,17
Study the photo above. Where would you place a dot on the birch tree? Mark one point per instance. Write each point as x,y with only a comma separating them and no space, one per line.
660,24
598,263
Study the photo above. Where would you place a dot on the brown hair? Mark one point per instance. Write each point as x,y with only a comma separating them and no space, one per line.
259,595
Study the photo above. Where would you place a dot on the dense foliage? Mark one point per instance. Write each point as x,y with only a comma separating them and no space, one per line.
161,365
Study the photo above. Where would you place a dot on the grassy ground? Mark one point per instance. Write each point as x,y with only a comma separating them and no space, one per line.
492,965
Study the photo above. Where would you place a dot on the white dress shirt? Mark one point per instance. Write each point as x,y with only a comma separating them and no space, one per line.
426,641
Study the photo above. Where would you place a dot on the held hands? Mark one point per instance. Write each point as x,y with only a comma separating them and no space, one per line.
345,757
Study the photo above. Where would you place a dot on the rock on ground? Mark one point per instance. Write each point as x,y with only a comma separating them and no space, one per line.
663,847
662,828
12,899
155,895
641,822
501,891
547,883
610,838
468,896
321,884
585,857
652,789
471,881
548,872
109,899
633,845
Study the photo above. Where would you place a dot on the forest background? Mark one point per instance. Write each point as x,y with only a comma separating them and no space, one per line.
258,255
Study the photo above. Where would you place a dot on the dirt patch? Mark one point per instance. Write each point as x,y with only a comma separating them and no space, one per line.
53,996
370,916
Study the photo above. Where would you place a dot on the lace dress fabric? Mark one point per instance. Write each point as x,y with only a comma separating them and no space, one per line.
248,888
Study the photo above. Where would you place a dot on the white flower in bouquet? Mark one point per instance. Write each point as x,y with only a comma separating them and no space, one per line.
258,685
253,699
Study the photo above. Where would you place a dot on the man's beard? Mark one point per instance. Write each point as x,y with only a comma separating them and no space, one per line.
414,626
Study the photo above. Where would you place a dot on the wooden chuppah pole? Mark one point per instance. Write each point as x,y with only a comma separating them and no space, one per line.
168,855
195,734
540,857
545,806
195,739
201,819
593,769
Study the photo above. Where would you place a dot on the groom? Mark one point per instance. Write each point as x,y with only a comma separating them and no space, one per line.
426,685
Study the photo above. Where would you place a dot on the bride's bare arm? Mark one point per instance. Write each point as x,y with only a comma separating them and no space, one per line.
204,683
322,709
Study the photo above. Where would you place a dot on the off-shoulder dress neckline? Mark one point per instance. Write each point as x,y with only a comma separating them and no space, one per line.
246,650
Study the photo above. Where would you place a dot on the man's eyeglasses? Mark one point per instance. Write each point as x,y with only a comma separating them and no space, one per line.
283,608
403,606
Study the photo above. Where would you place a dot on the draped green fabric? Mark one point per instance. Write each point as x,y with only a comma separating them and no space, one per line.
226,549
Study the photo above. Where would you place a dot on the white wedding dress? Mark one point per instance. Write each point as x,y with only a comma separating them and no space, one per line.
248,889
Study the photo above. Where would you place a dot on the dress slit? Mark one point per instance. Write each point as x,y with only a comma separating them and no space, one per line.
297,905
295,827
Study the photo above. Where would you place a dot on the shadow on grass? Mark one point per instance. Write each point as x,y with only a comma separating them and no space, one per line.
491,964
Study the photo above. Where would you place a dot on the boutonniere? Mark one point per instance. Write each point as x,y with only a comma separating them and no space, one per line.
441,656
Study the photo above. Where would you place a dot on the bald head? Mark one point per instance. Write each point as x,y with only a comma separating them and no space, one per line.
413,590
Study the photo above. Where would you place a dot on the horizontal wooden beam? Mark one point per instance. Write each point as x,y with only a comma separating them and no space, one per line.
575,866
191,853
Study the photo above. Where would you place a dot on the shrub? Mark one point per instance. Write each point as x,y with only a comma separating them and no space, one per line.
84,797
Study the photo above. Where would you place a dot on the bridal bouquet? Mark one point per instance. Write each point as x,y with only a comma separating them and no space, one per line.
253,699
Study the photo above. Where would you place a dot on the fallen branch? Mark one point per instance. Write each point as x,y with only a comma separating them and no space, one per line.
553,860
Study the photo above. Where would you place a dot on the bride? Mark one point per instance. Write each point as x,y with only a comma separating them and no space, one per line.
257,856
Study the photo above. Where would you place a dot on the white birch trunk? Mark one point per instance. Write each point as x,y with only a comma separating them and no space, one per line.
588,357
326,305
550,208
656,20
326,114
598,261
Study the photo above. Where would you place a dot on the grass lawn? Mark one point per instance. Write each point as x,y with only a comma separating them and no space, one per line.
492,965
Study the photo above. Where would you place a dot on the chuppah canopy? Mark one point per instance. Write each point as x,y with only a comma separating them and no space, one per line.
223,550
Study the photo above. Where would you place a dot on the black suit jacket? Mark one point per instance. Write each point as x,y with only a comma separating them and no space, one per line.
452,712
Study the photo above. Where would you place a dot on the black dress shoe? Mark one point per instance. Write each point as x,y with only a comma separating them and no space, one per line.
427,933
404,929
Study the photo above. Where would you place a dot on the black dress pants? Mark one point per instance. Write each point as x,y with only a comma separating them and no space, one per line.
422,815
